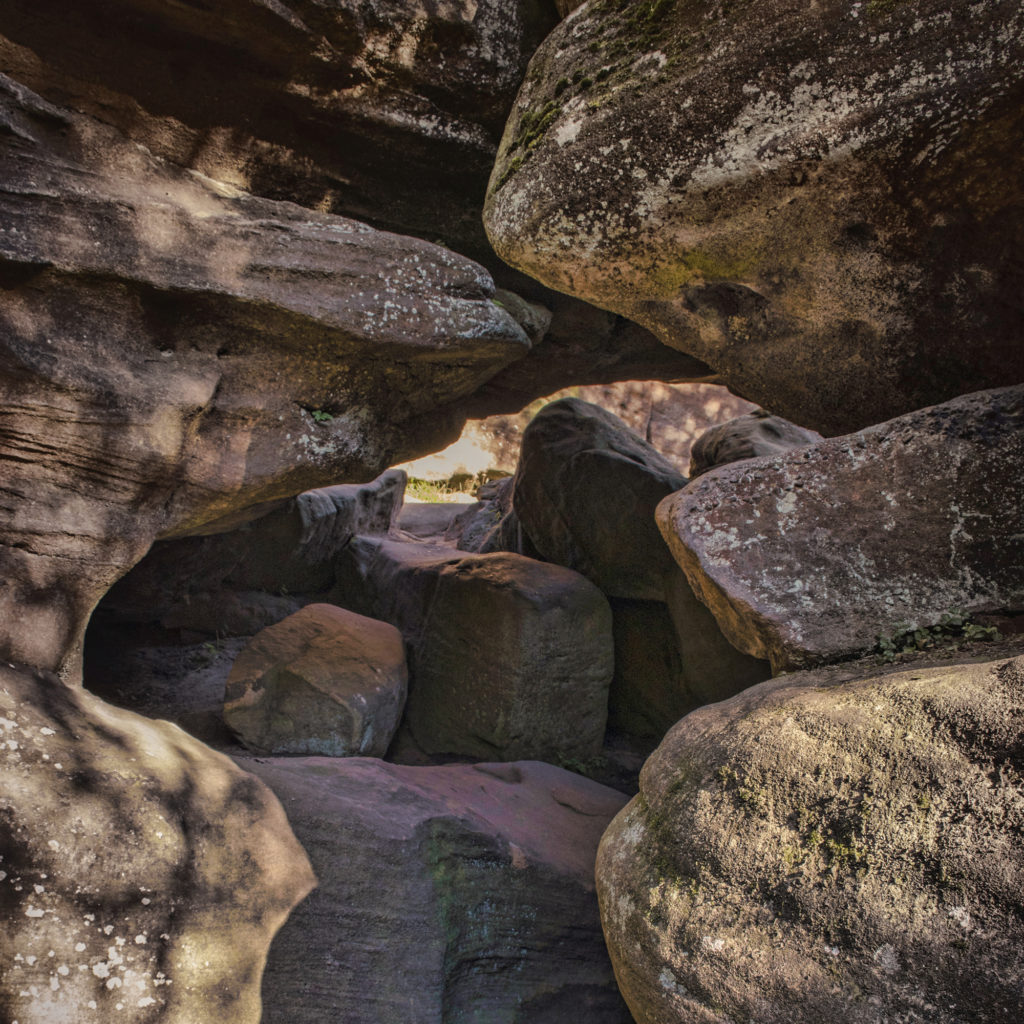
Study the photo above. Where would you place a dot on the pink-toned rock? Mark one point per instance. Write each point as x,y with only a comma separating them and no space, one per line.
508,657
323,681
142,875
747,437
814,555
462,892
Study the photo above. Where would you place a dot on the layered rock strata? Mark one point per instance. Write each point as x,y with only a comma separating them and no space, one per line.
174,350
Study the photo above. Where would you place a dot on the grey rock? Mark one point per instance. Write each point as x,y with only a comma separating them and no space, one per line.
814,850
814,555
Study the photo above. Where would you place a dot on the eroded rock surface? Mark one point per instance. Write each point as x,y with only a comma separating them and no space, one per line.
462,892
509,658
241,580
174,350
378,109
142,875
814,555
810,851
322,681
821,202
747,437
585,490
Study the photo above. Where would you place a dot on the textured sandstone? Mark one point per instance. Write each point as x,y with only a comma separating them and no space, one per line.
746,437
810,851
820,201
241,580
322,681
173,350
455,893
142,875
585,492
813,555
384,110
508,657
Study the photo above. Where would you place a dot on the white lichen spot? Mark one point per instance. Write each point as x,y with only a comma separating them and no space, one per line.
113,983
34,911
53,844
101,970
886,958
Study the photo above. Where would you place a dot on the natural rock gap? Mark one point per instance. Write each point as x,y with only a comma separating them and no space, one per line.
207,366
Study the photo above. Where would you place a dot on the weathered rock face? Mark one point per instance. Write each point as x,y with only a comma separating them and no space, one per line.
378,109
747,437
172,351
814,555
142,875
508,657
821,202
242,580
809,851
323,681
585,489
457,893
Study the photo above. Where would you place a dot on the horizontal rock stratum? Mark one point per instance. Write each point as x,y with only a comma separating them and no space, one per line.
172,350
821,201
815,555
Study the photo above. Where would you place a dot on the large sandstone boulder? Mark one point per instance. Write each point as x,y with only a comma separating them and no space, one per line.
323,681
509,658
809,851
585,491
747,437
814,555
142,875
819,201
455,893
379,109
173,350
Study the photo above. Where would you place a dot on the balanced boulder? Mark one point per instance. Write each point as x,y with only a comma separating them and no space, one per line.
815,555
323,681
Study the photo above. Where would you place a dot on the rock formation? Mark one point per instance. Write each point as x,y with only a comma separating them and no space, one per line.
322,681
462,892
746,437
509,658
814,555
808,851
822,203
176,350
142,874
